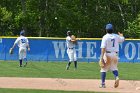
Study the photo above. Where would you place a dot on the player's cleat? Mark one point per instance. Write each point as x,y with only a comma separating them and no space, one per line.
20,66
116,83
102,86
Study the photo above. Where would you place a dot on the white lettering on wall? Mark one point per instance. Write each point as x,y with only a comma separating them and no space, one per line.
138,50
90,49
79,49
126,51
87,50
59,47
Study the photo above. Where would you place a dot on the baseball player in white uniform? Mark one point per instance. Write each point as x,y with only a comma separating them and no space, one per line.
71,50
109,54
23,45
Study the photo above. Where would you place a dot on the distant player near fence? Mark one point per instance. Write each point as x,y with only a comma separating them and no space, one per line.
109,54
23,45
71,43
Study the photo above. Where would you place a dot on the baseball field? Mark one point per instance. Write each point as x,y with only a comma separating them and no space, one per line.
51,77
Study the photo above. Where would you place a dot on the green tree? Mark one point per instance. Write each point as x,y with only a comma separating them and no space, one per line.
133,30
5,21
85,18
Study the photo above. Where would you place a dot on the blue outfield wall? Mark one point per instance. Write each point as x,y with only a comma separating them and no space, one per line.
88,50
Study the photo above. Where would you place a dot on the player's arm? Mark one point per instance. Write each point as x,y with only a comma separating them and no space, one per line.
70,39
11,49
103,46
103,50
102,62
73,39
15,44
102,53
121,37
28,46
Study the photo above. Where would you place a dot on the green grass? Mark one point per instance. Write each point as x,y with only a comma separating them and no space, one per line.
5,90
127,71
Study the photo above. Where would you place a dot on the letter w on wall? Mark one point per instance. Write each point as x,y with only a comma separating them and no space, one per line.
59,48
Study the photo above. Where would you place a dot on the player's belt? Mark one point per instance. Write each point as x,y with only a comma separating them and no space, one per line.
71,48
110,52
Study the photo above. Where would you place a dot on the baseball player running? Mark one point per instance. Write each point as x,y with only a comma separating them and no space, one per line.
71,42
109,54
23,45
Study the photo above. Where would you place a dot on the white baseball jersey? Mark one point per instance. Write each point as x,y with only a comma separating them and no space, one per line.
69,43
22,42
111,42
71,49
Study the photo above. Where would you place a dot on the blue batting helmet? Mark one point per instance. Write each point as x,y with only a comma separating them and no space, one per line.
109,27
22,33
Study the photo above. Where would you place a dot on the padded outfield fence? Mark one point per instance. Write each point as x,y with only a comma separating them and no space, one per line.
54,49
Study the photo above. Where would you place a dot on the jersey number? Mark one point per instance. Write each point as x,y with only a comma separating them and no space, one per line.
113,42
23,40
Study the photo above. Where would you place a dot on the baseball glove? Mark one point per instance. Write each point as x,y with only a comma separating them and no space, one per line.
101,63
11,51
73,37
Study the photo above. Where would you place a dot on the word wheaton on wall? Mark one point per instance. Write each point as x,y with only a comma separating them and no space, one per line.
48,49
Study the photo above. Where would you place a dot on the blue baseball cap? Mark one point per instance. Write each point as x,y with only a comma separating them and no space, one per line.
22,32
109,26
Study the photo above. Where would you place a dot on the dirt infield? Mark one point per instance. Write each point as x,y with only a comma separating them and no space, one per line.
126,86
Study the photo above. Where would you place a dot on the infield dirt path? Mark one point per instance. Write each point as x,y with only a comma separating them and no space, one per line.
69,84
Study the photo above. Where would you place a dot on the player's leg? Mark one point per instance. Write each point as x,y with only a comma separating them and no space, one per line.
25,58
75,65
104,70
26,62
20,62
68,65
20,57
114,64
70,54
75,60
116,75
116,84
103,77
114,69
